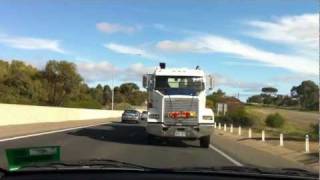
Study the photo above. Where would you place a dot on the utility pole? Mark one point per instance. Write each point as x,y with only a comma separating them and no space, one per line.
112,92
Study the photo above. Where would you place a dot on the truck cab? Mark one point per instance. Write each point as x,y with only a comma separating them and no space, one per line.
176,104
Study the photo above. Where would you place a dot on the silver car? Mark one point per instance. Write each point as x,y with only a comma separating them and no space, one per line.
130,116
144,115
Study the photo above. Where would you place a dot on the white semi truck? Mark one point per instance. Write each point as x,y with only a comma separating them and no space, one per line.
177,104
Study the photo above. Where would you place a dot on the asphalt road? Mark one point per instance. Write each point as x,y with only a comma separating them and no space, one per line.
122,142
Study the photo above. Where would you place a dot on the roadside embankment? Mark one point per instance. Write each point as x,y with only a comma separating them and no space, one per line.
263,153
12,114
17,120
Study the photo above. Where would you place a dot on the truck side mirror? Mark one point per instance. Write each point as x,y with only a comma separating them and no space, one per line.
202,86
146,80
210,82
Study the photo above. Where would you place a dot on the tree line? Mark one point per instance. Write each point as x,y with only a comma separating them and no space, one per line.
60,84
304,96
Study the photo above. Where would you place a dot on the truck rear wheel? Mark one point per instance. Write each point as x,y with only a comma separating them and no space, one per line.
205,141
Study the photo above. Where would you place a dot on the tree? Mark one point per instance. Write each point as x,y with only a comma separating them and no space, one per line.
4,70
137,98
128,90
269,90
107,94
25,82
307,94
63,81
289,101
118,97
278,100
215,96
97,93
128,87
255,99
59,84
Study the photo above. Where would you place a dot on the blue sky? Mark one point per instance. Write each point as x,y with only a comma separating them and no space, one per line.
245,44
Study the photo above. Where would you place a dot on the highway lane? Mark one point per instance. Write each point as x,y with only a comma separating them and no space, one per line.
123,142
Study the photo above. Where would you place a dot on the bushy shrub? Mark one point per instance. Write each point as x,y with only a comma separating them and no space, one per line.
209,104
314,130
236,117
275,120
223,119
240,117
122,106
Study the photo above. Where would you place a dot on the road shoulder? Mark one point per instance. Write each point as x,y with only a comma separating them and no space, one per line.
29,129
258,154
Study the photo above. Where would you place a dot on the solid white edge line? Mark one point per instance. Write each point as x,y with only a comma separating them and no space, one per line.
225,155
48,132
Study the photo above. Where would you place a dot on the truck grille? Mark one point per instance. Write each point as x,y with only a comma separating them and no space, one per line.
180,104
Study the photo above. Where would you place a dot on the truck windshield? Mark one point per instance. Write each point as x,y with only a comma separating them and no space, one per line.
184,85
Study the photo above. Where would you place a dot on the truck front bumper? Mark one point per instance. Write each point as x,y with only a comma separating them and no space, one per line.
159,129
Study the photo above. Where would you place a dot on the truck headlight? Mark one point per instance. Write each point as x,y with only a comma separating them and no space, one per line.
154,116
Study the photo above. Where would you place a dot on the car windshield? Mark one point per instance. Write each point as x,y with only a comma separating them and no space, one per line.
130,112
164,84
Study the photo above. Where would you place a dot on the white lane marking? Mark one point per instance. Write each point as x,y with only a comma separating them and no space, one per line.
226,156
48,132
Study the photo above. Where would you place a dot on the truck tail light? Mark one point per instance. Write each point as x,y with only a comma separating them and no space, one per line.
187,114
181,114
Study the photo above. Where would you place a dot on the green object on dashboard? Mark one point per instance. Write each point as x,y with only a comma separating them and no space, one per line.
20,157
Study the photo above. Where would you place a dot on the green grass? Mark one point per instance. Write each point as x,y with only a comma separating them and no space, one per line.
297,123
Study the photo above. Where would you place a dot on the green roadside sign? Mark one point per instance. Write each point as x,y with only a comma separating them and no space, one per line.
20,157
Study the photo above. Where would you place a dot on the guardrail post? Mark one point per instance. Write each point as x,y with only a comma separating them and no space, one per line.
239,130
281,139
225,127
219,126
215,125
231,128
262,136
250,133
307,144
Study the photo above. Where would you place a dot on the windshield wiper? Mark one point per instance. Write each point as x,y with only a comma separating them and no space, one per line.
251,170
87,164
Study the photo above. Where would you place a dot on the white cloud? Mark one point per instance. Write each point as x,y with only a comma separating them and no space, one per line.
135,72
105,71
222,80
124,49
97,71
174,46
298,31
31,43
113,28
217,44
294,78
